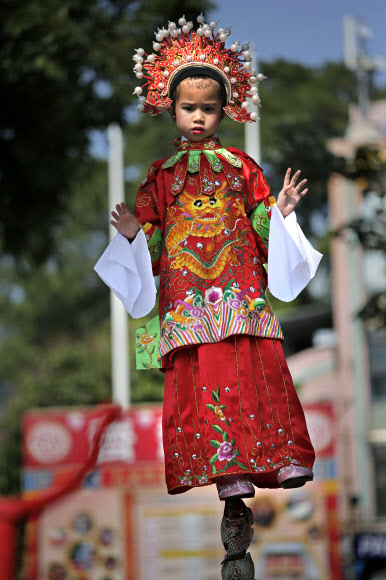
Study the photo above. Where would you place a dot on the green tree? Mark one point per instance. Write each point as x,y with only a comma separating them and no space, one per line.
65,69
55,326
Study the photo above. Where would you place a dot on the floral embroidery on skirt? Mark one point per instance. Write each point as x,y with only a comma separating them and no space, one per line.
231,407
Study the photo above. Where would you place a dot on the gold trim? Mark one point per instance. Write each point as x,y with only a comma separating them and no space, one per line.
239,393
288,401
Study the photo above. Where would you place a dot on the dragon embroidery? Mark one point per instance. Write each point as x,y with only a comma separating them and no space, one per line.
204,233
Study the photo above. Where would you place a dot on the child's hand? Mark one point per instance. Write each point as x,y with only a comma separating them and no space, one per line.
125,222
291,193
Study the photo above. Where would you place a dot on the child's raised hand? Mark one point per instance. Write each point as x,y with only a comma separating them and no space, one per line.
124,221
291,193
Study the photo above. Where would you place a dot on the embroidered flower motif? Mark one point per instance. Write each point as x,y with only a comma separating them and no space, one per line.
226,451
146,345
202,479
187,478
226,448
213,295
219,413
146,339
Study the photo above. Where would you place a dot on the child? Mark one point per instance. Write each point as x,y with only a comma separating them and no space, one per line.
231,414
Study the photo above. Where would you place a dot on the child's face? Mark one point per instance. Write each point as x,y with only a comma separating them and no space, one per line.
198,111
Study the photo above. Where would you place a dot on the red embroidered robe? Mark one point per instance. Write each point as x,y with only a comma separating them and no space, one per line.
229,405
206,213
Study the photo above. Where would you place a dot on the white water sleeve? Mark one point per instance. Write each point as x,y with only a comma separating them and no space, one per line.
126,269
292,261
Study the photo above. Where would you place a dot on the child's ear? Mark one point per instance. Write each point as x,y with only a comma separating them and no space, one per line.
222,117
171,112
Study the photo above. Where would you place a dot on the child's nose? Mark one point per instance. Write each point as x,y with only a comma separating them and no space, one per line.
198,115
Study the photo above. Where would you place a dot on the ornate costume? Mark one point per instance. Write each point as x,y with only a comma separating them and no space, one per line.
231,414
229,403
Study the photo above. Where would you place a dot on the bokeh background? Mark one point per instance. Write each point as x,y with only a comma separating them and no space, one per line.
65,76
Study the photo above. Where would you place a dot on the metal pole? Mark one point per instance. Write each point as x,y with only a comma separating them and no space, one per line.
119,320
252,130
362,72
357,60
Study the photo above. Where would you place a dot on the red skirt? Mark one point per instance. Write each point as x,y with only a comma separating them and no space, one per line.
231,408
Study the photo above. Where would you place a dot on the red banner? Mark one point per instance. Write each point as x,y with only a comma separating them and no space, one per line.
56,438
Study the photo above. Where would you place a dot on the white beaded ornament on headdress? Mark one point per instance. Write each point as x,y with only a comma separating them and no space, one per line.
181,48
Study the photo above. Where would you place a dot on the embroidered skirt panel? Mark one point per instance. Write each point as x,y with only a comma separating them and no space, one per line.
231,408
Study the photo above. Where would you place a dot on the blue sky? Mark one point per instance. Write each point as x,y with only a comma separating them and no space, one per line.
302,30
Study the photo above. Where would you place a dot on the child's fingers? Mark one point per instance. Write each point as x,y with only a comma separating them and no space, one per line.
124,207
303,192
120,209
113,224
295,177
287,177
115,215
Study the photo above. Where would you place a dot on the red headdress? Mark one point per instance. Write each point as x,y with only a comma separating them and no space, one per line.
185,52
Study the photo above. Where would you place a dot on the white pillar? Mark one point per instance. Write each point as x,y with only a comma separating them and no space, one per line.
119,320
252,130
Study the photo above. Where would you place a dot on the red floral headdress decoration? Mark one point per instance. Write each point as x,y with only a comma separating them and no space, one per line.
204,50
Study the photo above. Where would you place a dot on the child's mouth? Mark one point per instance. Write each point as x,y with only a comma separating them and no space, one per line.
197,130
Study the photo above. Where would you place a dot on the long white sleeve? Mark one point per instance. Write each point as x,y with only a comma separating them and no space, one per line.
292,261
126,269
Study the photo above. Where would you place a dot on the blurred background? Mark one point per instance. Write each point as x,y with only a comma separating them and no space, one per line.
65,77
